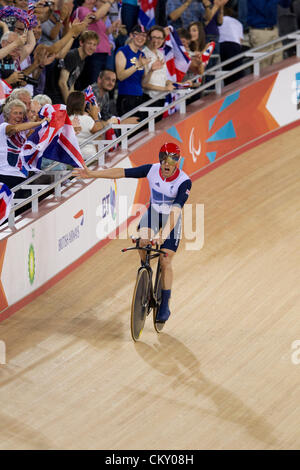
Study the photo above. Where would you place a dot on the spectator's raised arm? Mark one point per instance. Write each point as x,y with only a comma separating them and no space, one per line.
62,47
94,111
42,58
4,27
211,10
19,42
29,46
42,11
103,10
63,84
59,21
175,14
24,126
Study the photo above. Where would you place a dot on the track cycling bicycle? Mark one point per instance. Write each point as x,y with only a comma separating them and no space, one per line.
146,294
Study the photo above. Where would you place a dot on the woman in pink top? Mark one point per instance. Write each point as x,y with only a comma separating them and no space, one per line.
95,63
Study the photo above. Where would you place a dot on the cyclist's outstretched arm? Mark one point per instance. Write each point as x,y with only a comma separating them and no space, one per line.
110,173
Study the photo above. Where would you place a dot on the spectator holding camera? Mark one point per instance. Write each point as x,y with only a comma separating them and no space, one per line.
43,56
18,21
23,51
10,63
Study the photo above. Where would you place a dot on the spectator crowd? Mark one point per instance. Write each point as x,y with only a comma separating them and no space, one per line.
52,50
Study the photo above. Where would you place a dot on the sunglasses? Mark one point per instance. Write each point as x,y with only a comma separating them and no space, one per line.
171,158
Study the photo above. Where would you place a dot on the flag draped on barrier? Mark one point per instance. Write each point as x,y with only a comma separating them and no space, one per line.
55,140
6,197
111,135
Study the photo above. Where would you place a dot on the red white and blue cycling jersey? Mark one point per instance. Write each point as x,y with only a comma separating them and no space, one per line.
165,192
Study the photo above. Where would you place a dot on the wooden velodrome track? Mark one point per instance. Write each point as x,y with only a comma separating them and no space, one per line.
220,376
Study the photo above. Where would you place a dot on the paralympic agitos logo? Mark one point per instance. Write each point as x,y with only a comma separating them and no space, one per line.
195,151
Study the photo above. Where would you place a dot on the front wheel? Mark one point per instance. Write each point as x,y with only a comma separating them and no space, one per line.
139,306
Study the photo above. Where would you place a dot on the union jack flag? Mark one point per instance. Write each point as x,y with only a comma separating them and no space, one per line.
169,98
147,13
89,96
55,140
180,86
15,144
177,61
31,7
6,197
111,135
208,52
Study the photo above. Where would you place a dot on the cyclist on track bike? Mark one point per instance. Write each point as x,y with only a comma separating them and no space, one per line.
170,188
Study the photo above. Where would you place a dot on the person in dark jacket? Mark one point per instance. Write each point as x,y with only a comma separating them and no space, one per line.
262,22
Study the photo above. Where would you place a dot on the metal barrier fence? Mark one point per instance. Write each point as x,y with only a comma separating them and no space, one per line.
252,58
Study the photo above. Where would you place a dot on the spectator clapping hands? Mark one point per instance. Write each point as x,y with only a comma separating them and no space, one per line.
157,65
43,55
142,62
76,125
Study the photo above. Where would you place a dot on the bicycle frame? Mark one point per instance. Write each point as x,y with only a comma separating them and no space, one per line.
146,264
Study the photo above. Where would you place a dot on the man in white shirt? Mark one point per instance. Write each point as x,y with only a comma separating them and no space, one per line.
231,36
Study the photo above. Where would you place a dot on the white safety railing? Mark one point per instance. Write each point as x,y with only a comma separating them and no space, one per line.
252,58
